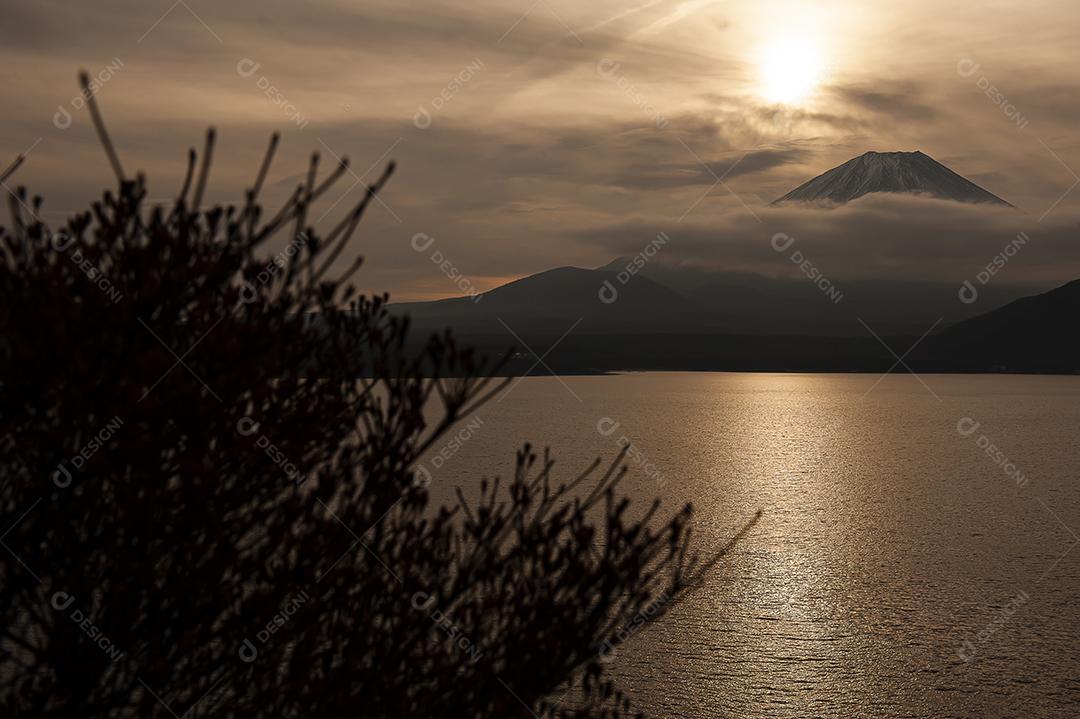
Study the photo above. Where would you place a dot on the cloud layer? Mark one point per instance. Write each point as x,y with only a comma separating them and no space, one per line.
563,133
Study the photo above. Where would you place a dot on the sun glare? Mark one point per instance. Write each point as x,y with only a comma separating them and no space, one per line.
790,69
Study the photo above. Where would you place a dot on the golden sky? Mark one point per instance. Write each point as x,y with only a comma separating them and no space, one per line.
537,133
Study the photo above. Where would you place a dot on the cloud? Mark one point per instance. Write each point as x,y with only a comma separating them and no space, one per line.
682,10
899,100
653,176
539,160
878,237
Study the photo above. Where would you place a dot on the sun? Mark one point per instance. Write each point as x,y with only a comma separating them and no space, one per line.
789,69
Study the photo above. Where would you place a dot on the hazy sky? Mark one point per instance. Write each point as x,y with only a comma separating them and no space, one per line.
553,132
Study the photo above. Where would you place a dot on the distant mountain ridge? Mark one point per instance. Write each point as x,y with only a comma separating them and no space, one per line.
613,319
893,172
602,300
1032,334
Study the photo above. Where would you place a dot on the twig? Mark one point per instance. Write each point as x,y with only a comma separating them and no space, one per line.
99,125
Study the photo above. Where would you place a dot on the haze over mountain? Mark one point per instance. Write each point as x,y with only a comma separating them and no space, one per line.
1030,334
755,304
664,298
553,300
551,176
897,172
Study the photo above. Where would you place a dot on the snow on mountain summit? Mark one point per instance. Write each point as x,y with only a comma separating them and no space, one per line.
897,172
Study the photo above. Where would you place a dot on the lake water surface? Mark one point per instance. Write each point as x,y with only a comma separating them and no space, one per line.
914,554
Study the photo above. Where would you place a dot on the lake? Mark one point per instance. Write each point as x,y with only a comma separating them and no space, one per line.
913,558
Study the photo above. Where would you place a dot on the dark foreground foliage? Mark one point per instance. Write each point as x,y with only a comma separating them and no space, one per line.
209,504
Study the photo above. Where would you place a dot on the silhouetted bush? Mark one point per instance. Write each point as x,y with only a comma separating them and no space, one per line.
209,504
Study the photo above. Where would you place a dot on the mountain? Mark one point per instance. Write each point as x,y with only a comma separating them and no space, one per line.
550,302
754,304
660,299
760,325
903,172
1032,334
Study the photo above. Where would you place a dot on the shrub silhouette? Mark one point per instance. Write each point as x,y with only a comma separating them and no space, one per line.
209,504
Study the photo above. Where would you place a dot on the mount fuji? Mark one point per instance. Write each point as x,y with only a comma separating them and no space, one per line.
896,172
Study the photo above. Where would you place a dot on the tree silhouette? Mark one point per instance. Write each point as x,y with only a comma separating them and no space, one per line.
209,504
